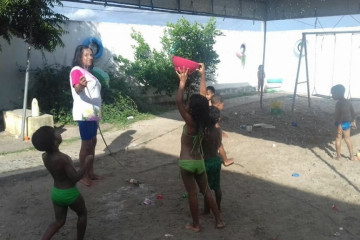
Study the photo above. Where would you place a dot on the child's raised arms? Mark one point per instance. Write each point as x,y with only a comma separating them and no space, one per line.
201,70
183,75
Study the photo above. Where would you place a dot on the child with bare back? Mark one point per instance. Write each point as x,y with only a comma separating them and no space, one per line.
64,193
218,102
344,120
191,163
211,145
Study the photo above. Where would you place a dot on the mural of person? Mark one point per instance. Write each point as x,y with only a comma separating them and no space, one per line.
241,55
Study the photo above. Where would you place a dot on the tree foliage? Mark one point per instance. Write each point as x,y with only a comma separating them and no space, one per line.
194,42
152,68
34,21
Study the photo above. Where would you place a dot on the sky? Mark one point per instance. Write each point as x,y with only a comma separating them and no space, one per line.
100,13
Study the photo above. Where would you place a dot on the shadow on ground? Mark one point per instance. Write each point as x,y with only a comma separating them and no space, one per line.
253,208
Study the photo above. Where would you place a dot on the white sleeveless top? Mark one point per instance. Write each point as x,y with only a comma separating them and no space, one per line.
87,103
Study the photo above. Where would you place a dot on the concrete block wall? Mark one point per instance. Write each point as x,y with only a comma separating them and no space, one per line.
13,122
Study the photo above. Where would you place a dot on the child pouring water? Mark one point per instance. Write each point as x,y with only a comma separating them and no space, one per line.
191,163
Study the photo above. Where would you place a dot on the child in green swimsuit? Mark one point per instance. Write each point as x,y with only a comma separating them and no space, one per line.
64,193
192,167
211,144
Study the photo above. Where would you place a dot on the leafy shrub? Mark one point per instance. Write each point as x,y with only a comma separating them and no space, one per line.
51,87
120,108
152,68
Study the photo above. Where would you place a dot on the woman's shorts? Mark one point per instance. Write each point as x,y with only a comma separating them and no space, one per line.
88,129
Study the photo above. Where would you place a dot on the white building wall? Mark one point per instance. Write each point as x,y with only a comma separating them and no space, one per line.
281,62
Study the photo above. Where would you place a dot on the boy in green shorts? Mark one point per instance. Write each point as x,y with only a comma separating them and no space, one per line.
64,193
218,102
211,143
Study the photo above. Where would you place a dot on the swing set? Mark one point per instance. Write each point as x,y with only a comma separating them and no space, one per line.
331,63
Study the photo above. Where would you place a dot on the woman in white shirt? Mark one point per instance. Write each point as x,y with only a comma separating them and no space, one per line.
85,89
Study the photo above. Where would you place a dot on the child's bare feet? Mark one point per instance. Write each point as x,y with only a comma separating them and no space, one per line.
192,228
354,158
337,158
220,225
228,162
86,181
96,177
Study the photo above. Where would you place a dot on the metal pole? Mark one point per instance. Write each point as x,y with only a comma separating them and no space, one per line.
297,74
263,63
307,71
25,93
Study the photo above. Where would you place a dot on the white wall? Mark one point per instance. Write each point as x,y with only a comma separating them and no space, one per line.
115,38
281,61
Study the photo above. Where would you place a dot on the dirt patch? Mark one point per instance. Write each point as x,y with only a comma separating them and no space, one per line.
284,185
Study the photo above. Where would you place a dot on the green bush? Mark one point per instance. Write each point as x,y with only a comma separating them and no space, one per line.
120,108
50,86
152,68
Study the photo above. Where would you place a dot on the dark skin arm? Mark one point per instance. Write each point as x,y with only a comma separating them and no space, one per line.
182,74
201,70
352,112
71,172
353,116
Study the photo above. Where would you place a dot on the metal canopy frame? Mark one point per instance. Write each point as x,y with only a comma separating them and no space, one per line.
304,48
260,10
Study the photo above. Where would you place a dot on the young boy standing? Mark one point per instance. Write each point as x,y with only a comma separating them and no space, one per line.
344,120
64,193
217,102
211,143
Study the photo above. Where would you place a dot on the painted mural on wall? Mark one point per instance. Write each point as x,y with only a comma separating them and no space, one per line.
242,54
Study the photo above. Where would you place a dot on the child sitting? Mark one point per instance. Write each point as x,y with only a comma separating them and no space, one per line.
64,193
344,119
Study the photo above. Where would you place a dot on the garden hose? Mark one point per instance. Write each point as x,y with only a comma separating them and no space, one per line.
102,136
